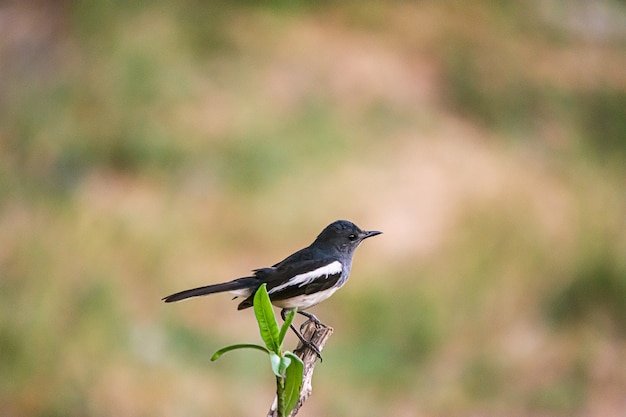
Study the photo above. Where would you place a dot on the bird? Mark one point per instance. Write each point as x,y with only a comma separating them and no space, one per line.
302,280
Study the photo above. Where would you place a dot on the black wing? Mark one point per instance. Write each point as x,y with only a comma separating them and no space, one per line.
301,273
308,278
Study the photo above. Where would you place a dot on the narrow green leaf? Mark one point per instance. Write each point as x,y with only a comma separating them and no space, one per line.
226,349
279,364
293,382
275,363
267,322
285,327
284,364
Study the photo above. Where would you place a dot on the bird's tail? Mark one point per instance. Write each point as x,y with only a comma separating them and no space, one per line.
246,283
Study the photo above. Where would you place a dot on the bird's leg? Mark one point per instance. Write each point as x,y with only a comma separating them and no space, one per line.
312,318
309,344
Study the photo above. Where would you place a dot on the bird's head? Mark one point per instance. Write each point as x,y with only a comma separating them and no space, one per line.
343,235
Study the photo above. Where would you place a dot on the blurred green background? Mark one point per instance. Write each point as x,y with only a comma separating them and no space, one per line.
149,148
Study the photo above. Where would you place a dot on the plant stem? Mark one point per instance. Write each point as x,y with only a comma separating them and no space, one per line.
280,395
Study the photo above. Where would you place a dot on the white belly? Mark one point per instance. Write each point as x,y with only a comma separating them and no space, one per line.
306,300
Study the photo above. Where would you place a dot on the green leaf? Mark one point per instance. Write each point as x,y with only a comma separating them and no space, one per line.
275,362
226,349
293,382
279,364
285,326
284,364
267,322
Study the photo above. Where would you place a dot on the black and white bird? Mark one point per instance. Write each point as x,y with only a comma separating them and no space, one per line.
301,280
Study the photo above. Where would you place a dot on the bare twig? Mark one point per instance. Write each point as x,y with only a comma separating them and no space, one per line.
318,335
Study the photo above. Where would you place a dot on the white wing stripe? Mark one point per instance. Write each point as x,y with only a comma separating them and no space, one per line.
303,279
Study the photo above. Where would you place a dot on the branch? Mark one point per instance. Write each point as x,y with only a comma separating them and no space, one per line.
318,336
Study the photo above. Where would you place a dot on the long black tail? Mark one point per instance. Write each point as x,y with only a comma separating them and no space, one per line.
238,284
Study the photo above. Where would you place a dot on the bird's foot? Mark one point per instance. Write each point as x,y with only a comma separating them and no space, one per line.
312,346
311,319
318,324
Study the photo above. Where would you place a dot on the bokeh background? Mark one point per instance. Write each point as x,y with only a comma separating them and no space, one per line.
149,148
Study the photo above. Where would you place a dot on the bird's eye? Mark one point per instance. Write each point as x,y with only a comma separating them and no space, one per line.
352,237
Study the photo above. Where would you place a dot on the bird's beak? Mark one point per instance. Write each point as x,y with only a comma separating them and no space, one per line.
369,233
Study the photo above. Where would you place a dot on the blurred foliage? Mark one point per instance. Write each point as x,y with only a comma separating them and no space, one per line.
147,148
602,116
517,104
482,379
594,294
413,327
566,395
